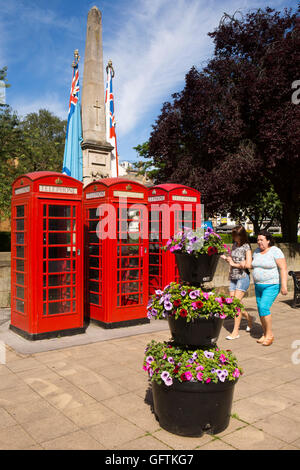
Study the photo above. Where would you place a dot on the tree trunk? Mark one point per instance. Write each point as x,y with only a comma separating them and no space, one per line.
289,222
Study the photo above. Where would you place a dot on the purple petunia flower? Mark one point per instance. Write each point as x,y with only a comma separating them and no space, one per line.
222,374
168,305
164,375
195,356
150,371
208,354
154,312
168,381
171,360
149,359
193,295
183,293
159,292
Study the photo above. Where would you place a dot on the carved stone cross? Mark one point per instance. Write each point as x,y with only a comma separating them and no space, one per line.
96,106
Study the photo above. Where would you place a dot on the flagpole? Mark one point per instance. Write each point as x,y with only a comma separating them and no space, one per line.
111,136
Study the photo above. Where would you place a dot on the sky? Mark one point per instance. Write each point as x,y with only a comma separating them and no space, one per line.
152,44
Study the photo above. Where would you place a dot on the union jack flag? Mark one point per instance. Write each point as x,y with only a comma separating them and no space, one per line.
74,94
110,119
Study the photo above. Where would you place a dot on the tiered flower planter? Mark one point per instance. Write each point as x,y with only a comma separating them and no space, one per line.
200,332
196,269
192,379
191,408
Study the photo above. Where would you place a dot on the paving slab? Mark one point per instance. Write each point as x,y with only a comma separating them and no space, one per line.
90,392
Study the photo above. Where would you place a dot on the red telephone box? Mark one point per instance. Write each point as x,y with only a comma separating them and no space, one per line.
171,208
46,256
116,252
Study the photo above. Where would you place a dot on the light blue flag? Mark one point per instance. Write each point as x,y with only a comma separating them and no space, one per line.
72,165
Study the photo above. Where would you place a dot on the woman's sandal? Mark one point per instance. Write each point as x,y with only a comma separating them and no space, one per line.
268,342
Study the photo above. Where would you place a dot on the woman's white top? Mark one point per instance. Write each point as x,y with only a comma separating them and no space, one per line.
265,269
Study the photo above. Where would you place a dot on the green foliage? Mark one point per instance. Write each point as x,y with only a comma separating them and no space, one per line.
35,143
165,362
11,151
182,300
265,205
146,168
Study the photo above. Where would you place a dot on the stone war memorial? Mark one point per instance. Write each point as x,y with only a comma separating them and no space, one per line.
125,330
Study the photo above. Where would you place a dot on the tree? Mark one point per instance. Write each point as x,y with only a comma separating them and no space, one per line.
11,150
35,143
234,126
146,167
263,211
44,140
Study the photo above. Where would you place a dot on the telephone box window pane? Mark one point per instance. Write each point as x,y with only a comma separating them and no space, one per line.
20,305
154,237
20,265
130,299
94,299
59,294
58,266
59,307
20,292
60,224
20,238
94,286
59,280
93,238
130,287
93,214
93,225
74,265
20,279
154,248
94,262
59,252
130,262
94,274
74,306
20,224
20,251
45,309
133,274
20,211
94,250
59,238
133,250
45,294
59,211
154,270
154,259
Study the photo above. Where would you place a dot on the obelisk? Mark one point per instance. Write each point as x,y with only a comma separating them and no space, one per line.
96,151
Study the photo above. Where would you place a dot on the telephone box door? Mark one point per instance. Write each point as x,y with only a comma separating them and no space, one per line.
61,266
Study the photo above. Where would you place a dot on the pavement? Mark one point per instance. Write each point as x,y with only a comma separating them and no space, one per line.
96,396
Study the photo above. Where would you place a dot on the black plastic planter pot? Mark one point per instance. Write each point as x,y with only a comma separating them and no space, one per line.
200,332
196,270
190,409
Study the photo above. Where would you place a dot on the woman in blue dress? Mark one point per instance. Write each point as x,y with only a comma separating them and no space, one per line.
270,278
